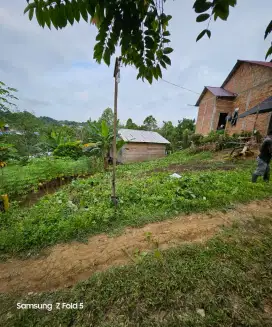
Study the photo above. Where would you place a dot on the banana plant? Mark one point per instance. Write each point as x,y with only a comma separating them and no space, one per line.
101,140
56,138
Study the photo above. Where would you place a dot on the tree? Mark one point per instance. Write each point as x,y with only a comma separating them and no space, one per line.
131,125
6,96
150,123
139,27
107,116
168,131
185,124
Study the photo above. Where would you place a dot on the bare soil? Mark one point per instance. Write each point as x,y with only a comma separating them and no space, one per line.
66,264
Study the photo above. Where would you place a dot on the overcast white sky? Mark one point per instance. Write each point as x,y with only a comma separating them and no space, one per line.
56,75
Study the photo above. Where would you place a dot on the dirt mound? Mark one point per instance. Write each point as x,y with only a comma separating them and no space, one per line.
67,264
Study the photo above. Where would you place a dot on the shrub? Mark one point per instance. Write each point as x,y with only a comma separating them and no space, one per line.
196,139
185,139
211,138
71,149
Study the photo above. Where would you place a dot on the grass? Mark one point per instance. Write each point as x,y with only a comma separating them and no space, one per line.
84,208
19,180
228,280
183,157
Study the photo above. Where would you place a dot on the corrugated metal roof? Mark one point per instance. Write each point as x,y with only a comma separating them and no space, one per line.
138,136
220,92
217,91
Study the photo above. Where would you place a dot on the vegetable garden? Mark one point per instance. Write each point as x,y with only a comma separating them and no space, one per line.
17,181
84,208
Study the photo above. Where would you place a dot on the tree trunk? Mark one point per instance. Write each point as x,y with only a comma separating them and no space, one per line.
106,164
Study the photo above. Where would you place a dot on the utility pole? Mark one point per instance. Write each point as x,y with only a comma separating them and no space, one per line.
116,76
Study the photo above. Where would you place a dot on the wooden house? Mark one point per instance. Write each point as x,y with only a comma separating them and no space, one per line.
141,146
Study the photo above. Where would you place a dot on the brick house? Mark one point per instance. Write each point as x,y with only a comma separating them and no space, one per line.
248,85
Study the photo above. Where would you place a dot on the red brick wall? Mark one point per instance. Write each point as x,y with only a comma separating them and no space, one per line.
222,106
205,112
253,83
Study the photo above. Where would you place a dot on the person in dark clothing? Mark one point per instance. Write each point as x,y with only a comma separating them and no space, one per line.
263,160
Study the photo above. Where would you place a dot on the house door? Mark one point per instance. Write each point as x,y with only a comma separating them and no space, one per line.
222,120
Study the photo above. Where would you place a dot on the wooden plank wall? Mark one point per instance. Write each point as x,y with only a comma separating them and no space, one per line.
137,152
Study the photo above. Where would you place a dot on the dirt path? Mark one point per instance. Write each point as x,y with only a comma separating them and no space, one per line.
67,264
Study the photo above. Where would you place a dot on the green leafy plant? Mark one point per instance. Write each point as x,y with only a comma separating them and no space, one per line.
57,138
83,207
101,140
7,152
140,28
71,150
19,180
196,139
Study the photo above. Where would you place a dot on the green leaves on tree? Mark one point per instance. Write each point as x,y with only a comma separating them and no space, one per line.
268,30
166,60
6,96
201,6
200,36
202,17
39,16
138,27
31,13
167,50
47,17
269,52
70,13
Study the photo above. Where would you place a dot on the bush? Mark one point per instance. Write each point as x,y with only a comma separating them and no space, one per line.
185,139
211,138
71,149
196,139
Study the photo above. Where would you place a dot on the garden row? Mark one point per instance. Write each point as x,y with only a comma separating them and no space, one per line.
84,207
19,180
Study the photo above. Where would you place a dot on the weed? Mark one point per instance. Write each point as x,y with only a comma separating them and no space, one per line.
83,208
225,282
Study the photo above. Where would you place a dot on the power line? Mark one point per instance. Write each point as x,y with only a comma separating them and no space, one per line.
181,87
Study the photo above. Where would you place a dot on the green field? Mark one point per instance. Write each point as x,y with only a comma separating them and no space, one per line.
19,180
84,208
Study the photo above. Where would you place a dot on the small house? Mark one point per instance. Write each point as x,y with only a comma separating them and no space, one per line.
141,146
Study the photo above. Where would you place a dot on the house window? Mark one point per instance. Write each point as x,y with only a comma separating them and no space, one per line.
222,121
